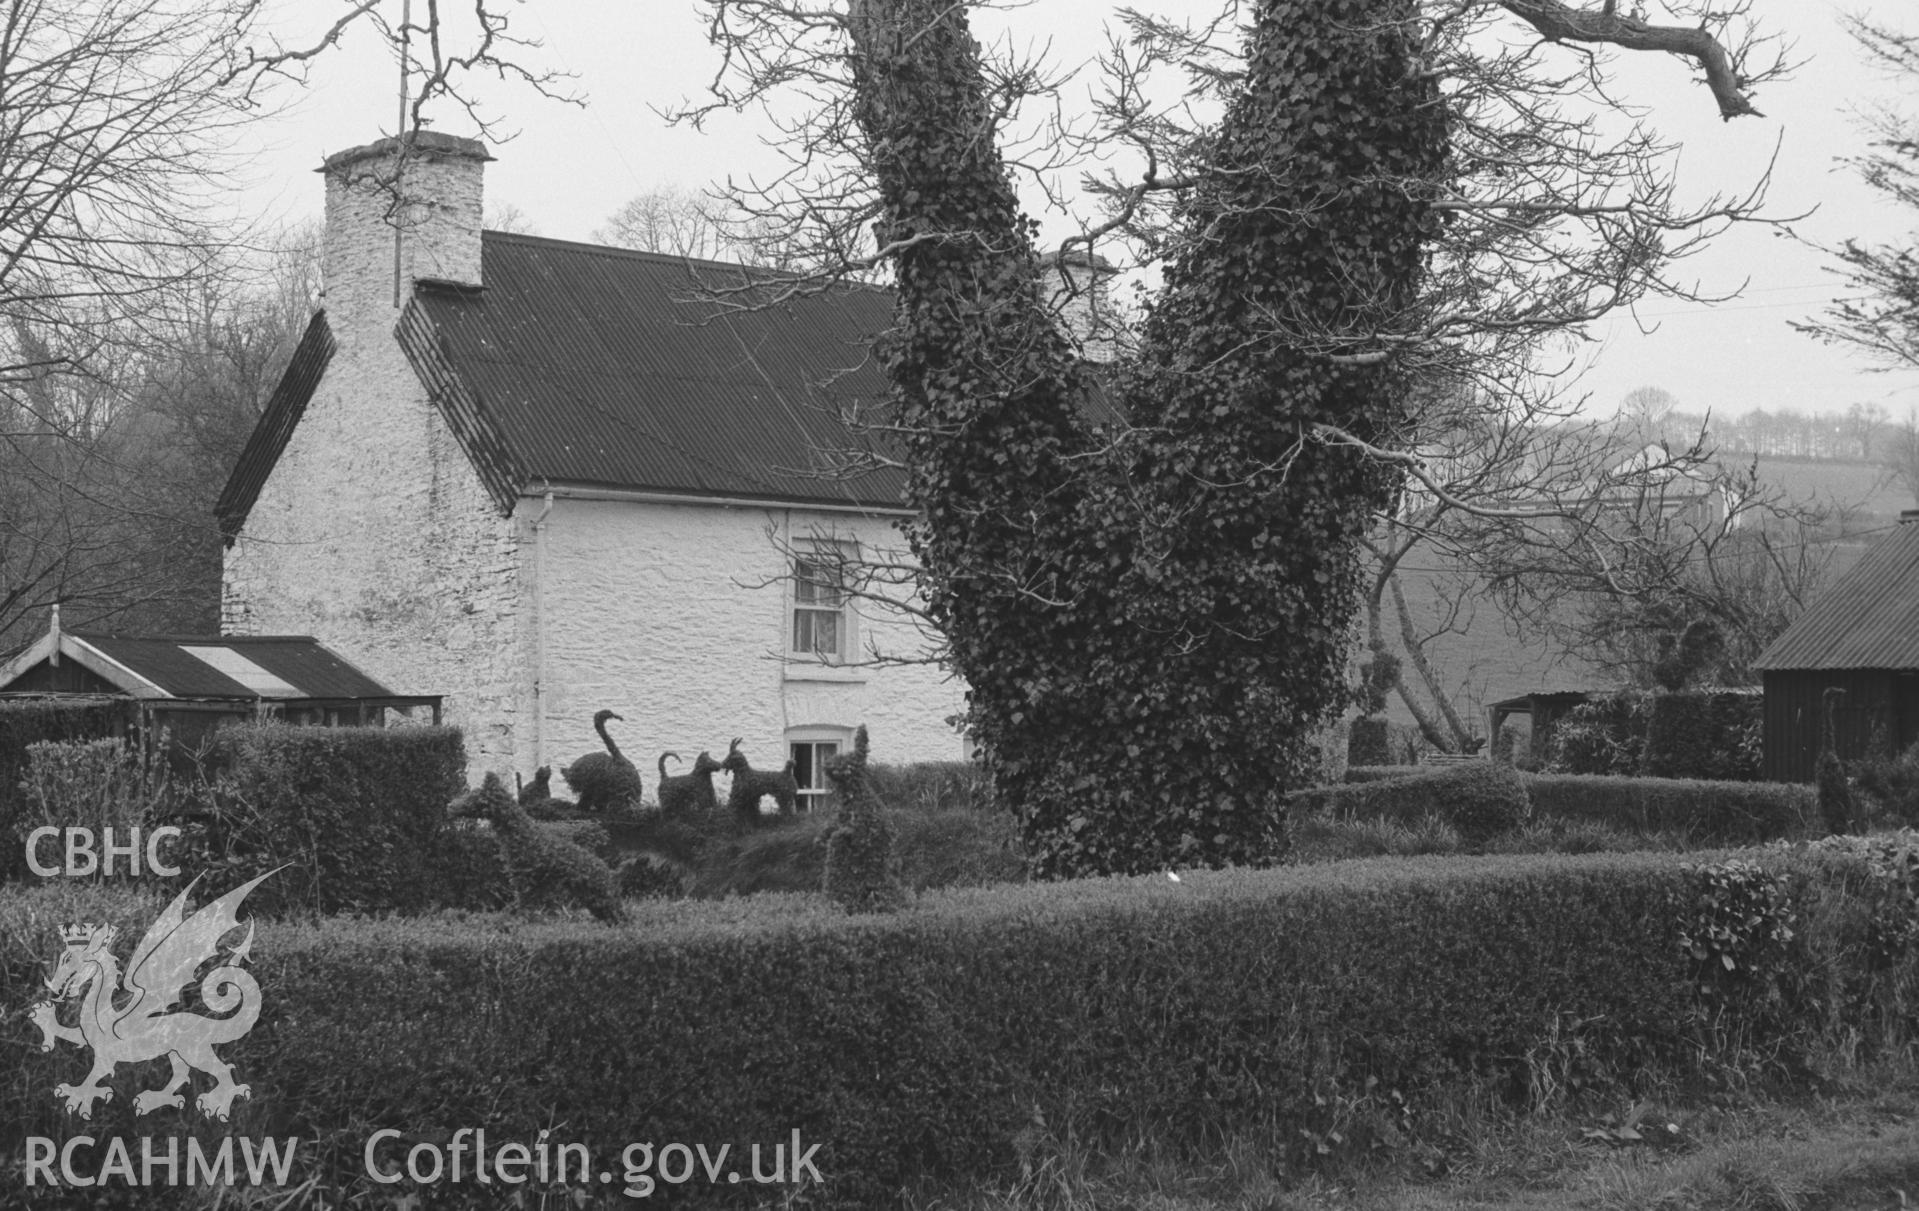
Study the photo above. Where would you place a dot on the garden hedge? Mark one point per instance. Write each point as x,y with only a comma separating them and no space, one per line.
1606,735
983,1027
355,814
1380,773
1705,812
1480,799
1710,734
30,722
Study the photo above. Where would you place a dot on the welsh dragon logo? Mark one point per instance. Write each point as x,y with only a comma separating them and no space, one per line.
141,1027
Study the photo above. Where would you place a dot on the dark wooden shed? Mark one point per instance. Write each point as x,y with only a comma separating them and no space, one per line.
1862,638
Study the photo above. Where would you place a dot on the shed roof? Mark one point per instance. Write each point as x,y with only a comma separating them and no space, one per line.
188,667
271,667
1868,619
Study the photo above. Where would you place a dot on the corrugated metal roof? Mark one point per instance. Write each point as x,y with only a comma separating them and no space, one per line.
1869,619
283,412
591,365
300,660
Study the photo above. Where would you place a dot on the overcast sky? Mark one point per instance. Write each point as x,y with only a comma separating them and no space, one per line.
570,166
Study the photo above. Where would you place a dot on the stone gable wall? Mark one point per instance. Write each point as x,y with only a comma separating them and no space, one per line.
374,535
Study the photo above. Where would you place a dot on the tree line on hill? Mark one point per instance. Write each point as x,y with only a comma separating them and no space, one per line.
1863,433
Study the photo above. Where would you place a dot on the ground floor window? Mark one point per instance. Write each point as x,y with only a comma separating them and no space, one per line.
810,749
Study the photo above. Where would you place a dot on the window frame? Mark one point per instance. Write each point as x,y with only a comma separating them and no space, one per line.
816,793
829,555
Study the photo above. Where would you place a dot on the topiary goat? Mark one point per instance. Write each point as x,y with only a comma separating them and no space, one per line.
751,785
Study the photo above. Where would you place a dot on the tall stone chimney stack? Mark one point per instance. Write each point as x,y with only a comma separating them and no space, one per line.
1076,286
425,188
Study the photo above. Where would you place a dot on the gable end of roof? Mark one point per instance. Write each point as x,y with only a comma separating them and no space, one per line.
1868,619
460,405
282,415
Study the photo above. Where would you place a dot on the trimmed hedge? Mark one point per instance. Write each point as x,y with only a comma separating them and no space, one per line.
924,1045
1380,773
100,785
937,849
1606,735
1711,734
932,785
356,815
1479,799
1890,785
1705,812
30,722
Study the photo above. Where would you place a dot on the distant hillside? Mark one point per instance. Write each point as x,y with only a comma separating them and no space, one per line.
1867,487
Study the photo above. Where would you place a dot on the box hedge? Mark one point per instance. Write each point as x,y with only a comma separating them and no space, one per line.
32,721
1479,799
951,1041
1606,735
1704,812
1380,773
1710,734
355,815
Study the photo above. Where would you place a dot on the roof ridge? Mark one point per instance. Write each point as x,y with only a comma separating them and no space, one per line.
769,272
201,640
586,246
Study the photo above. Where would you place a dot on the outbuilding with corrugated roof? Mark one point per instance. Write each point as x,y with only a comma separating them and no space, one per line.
1860,639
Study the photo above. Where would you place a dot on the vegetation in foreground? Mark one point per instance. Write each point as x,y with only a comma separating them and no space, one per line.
1842,1142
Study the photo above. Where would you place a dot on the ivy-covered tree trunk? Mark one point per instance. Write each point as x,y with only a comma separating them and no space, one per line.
990,396
1152,627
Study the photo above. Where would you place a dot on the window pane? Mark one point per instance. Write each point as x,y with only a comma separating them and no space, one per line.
816,583
806,583
809,770
826,633
816,632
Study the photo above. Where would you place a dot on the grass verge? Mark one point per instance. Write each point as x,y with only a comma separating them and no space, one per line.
1853,1145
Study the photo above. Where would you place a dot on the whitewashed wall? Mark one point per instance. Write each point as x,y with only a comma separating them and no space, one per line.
373,534
677,617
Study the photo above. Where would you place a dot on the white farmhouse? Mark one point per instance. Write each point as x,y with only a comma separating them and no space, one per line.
543,478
